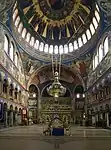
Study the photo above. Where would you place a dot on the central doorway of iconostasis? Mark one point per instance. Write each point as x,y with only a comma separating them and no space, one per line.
33,104
51,109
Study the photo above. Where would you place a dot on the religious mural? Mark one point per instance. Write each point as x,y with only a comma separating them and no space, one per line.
105,6
30,65
57,19
81,66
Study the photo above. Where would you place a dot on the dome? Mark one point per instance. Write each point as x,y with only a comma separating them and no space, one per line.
56,26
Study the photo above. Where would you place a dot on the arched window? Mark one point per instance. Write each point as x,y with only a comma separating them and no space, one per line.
11,51
70,47
36,45
32,41
61,50
92,28
106,46
95,22
20,27
51,49
75,45
15,5
101,52
41,47
15,14
97,7
5,85
66,49
97,15
6,44
19,95
88,33
84,38
80,42
16,93
24,33
28,37
16,59
11,90
56,49
17,21
46,48
96,60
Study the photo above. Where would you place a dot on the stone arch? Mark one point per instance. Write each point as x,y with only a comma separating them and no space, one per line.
38,91
11,107
34,115
107,107
49,65
5,85
101,108
78,88
11,89
5,106
20,110
33,88
15,92
16,108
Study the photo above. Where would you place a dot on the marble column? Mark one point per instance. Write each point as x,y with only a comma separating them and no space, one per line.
101,116
16,119
5,118
93,120
11,118
107,119
19,119
96,117
38,109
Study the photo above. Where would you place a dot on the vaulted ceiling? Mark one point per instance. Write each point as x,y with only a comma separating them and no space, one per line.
70,28
57,20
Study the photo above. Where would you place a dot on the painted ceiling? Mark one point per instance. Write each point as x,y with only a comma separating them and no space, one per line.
61,22
57,20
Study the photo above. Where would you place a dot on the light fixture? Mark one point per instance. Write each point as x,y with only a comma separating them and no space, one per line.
56,89
83,95
34,95
77,95
84,115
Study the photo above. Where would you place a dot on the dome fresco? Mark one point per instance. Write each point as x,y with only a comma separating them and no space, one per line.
45,28
56,10
57,19
56,4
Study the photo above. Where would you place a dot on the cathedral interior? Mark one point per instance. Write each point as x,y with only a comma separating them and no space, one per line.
55,74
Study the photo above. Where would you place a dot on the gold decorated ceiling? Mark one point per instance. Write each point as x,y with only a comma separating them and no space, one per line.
58,23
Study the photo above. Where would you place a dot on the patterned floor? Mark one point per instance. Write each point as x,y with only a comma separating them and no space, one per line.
31,138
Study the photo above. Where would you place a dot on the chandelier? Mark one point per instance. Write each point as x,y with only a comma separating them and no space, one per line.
56,89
